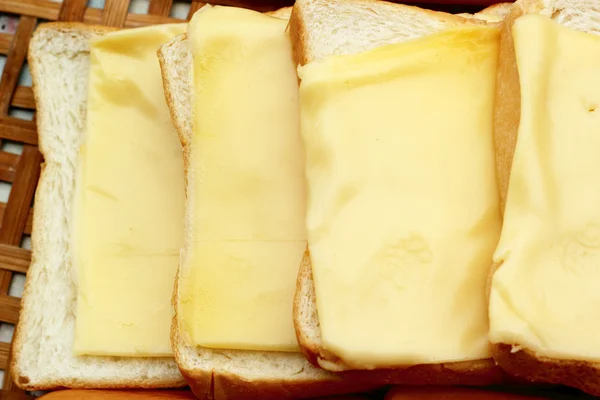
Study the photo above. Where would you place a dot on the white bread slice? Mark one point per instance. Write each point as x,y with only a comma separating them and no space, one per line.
320,28
42,348
584,16
234,374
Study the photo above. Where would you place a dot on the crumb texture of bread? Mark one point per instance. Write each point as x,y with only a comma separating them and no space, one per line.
321,28
43,359
221,373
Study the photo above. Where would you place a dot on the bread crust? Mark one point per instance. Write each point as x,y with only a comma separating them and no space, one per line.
20,375
472,373
220,384
507,108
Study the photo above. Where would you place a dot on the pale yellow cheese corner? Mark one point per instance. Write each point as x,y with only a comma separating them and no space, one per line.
246,193
403,213
128,214
545,296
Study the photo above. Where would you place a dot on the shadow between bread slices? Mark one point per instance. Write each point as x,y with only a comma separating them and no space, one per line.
311,44
515,356
228,373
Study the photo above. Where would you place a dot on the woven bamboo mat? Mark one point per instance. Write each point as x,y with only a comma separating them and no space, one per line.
19,157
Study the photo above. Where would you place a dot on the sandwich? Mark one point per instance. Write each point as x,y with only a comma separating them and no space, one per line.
403,214
543,291
231,86
108,214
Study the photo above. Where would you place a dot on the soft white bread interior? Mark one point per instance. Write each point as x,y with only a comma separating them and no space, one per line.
580,15
231,374
321,28
43,359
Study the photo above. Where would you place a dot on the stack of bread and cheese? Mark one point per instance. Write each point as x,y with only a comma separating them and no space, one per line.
325,199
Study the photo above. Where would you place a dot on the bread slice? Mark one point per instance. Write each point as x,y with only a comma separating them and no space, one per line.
42,348
583,16
320,28
234,374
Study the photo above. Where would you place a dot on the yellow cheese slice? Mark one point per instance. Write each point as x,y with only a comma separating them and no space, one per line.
246,194
128,215
403,213
545,295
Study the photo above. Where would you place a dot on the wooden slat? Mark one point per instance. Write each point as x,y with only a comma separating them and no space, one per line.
23,98
18,130
195,6
7,395
4,352
17,208
5,41
115,12
21,194
28,224
94,16
8,165
33,8
14,62
160,7
9,309
72,10
49,10
14,259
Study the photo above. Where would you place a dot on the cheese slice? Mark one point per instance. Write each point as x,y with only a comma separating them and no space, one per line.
128,214
403,215
246,194
545,295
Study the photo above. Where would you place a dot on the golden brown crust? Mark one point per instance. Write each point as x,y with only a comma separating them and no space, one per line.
524,363
297,32
451,393
118,395
507,108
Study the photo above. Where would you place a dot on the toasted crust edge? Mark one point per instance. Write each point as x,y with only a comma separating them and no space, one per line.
20,377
